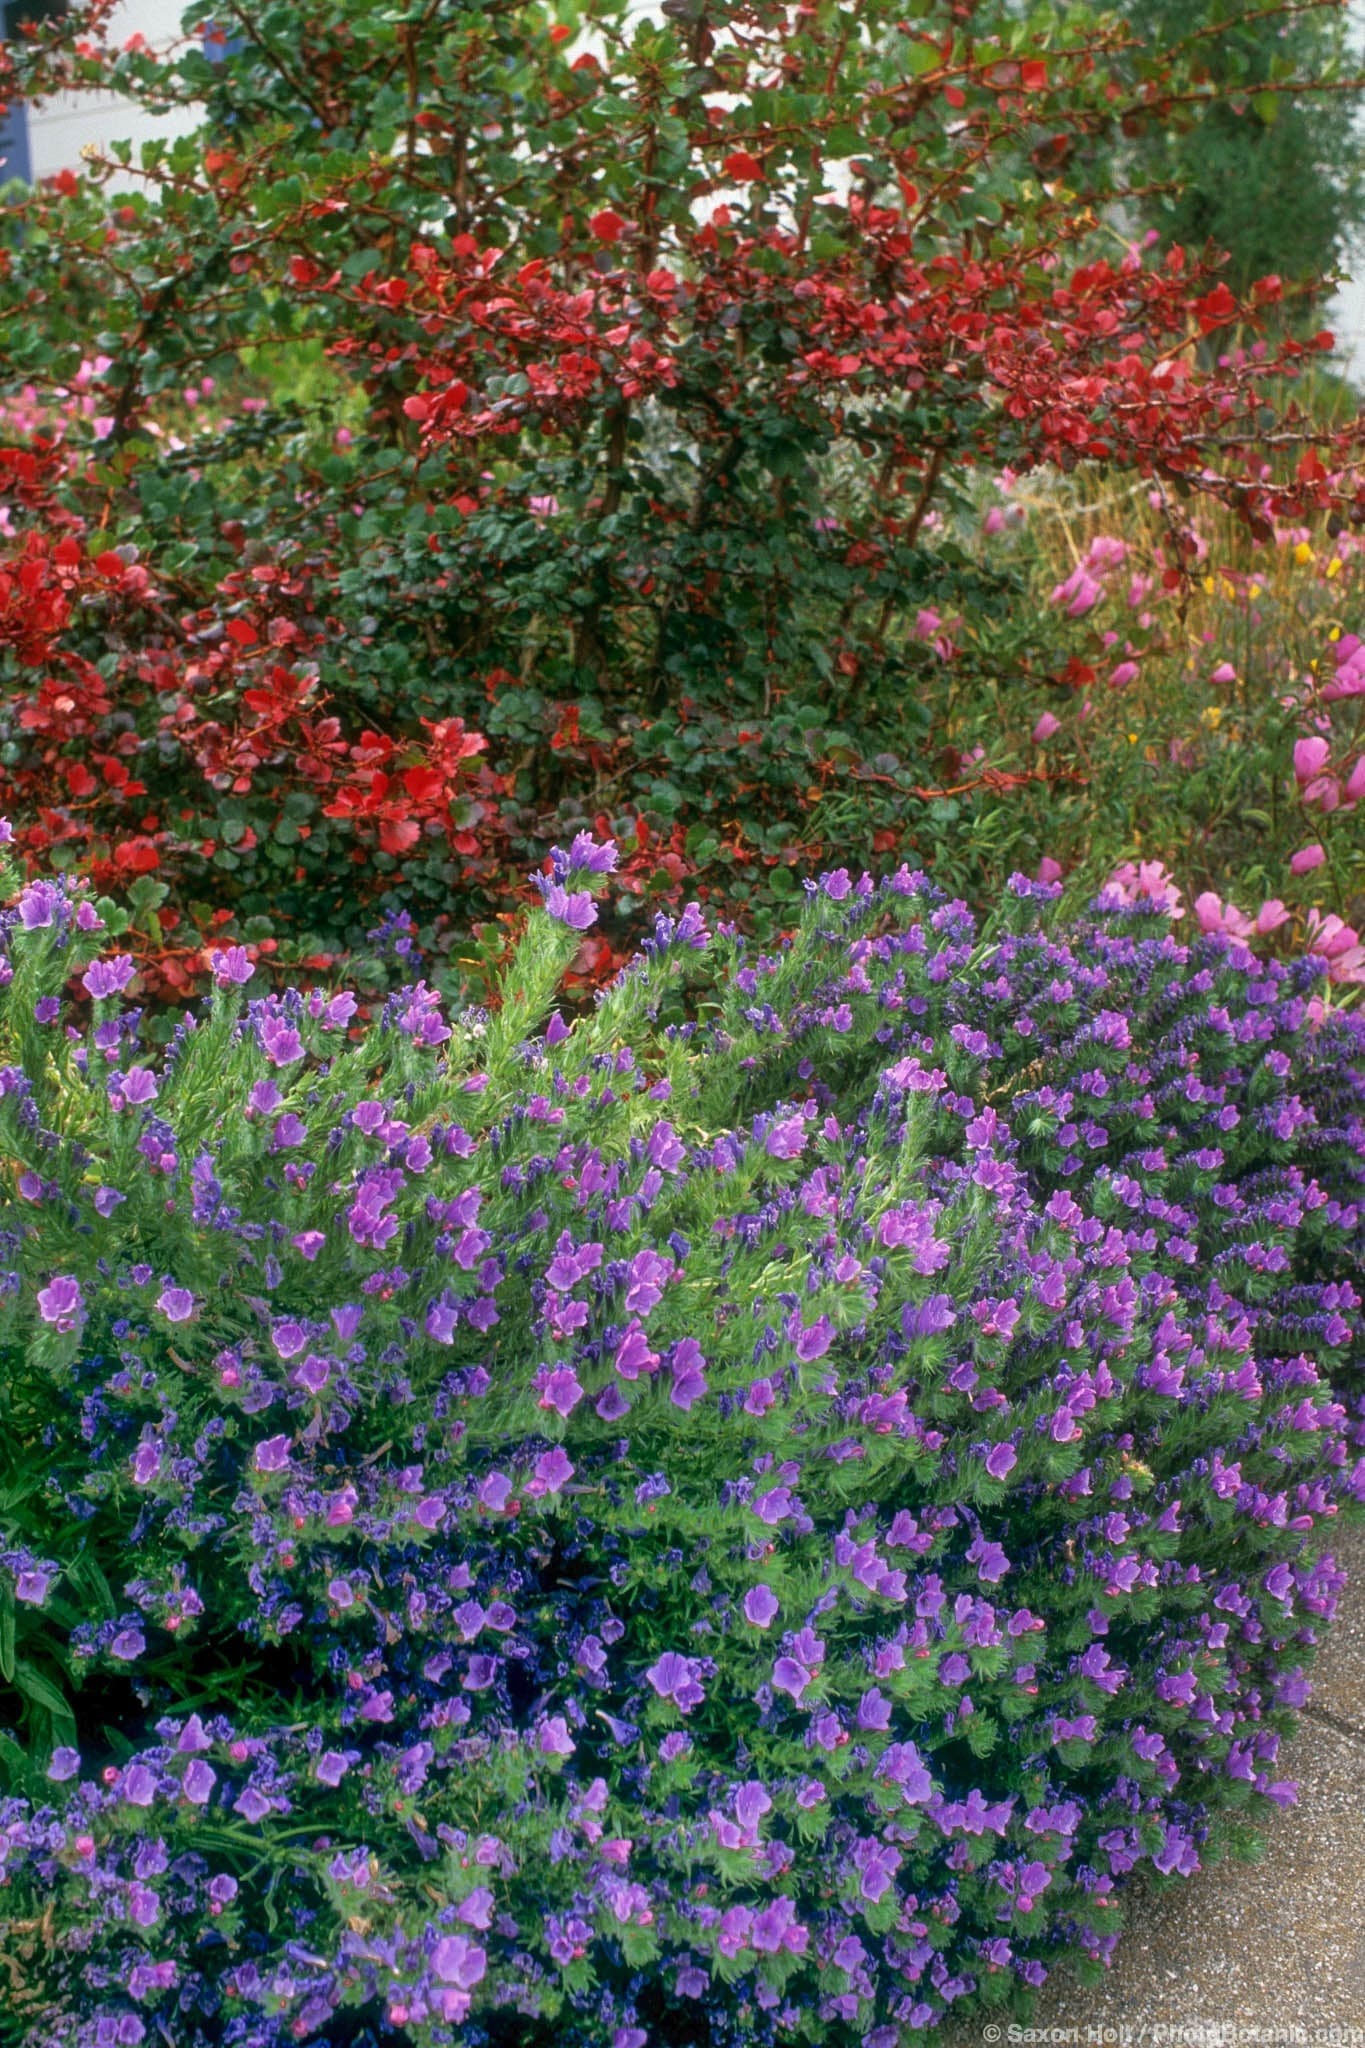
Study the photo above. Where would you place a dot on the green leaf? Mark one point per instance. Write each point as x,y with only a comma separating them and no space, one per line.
30,1681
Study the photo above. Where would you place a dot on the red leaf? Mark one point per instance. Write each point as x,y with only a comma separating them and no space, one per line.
742,167
398,835
606,225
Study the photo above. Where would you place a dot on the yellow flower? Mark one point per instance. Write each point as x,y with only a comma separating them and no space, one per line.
1210,585
1303,553
1212,716
1253,590
1335,633
1334,566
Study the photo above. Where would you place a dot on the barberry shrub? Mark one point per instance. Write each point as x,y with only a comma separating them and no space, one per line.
507,419
741,1518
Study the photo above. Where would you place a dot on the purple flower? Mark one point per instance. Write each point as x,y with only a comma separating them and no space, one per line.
231,967
874,1711
60,1302
1001,1460
456,1960
65,1764
901,1764
41,905
675,1678
574,908
761,1605
787,1139
791,1677
687,1366
198,1781
133,1089
176,1304
990,1561
552,1471
1177,1853
586,856
107,1200
553,1737
280,1042
561,1390
876,1863
272,1455
814,1341
777,1927
128,1645
110,976
330,1768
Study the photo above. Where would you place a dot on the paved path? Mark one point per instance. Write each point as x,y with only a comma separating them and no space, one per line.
1278,1943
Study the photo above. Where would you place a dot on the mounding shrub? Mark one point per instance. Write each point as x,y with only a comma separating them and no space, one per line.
741,1518
502,420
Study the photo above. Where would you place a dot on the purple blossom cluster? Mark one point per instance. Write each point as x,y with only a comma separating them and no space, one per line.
770,1518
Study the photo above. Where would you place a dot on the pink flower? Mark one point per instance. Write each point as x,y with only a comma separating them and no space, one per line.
1339,945
1046,726
1126,672
1355,782
1049,870
1146,883
1106,551
1271,915
1080,593
1216,916
1224,673
1306,859
1310,757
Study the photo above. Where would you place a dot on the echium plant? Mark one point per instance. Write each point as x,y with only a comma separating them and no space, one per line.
741,1518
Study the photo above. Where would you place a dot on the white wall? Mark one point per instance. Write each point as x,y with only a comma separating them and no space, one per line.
61,128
